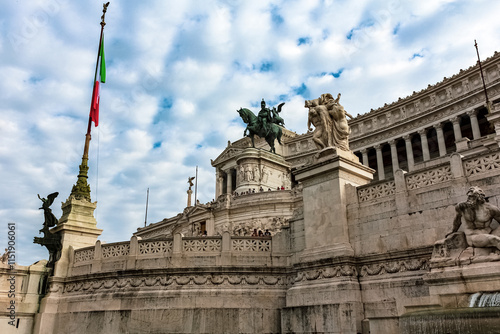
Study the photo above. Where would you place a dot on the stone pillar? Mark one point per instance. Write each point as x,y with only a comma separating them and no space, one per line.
409,152
218,183
456,128
364,154
394,155
325,208
189,192
229,177
380,162
440,138
425,144
476,133
77,227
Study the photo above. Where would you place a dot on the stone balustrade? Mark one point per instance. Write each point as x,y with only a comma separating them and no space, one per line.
172,252
417,208
452,168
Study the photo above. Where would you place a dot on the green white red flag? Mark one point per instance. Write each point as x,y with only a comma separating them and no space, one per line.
94,106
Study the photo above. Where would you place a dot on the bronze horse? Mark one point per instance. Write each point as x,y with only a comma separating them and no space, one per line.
254,128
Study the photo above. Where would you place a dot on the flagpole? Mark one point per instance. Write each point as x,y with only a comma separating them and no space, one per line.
482,77
196,187
81,190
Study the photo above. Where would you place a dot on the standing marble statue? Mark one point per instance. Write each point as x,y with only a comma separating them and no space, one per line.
329,119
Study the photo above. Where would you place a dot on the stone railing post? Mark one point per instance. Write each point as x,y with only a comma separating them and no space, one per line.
226,248
133,253
71,256
97,263
456,165
401,191
177,245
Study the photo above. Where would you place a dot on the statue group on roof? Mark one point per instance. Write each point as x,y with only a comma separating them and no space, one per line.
329,119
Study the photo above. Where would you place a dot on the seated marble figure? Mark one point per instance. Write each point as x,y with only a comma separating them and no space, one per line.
480,233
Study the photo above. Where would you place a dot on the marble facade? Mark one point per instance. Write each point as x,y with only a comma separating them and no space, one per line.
352,233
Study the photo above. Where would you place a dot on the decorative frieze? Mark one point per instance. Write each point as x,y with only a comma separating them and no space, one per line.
251,245
132,283
392,267
166,230
428,177
324,273
155,247
376,191
202,245
482,164
427,117
115,250
84,255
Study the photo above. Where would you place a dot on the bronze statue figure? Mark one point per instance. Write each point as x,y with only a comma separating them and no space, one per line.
50,240
266,125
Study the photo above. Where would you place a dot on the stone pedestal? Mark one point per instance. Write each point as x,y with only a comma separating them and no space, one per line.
325,212
258,168
77,227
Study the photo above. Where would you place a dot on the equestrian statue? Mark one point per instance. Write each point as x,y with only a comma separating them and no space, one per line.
267,124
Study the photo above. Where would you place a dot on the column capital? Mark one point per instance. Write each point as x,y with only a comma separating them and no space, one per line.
422,132
392,142
455,119
438,125
363,150
407,137
377,146
471,112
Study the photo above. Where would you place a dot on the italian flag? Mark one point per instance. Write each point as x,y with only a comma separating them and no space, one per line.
94,106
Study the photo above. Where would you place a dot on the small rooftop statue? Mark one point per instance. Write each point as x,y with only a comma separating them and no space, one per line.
329,119
265,125
190,181
50,240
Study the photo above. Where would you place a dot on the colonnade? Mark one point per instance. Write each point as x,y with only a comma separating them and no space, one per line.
424,144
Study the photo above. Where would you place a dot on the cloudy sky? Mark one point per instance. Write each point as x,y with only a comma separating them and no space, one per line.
177,71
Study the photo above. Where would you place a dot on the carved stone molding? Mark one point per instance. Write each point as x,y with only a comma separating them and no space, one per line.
392,267
346,270
141,282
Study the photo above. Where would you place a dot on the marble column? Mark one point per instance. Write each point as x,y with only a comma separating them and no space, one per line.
476,133
364,153
440,138
409,152
456,128
394,155
380,162
229,178
218,183
425,144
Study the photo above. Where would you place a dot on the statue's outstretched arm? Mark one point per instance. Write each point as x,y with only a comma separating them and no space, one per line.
456,223
495,213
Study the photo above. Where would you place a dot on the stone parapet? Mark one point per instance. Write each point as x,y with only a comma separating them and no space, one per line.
178,252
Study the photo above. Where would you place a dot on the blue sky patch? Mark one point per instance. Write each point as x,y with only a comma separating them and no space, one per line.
163,113
157,145
416,55
266,66
304,40
302,90
276,17
396,29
